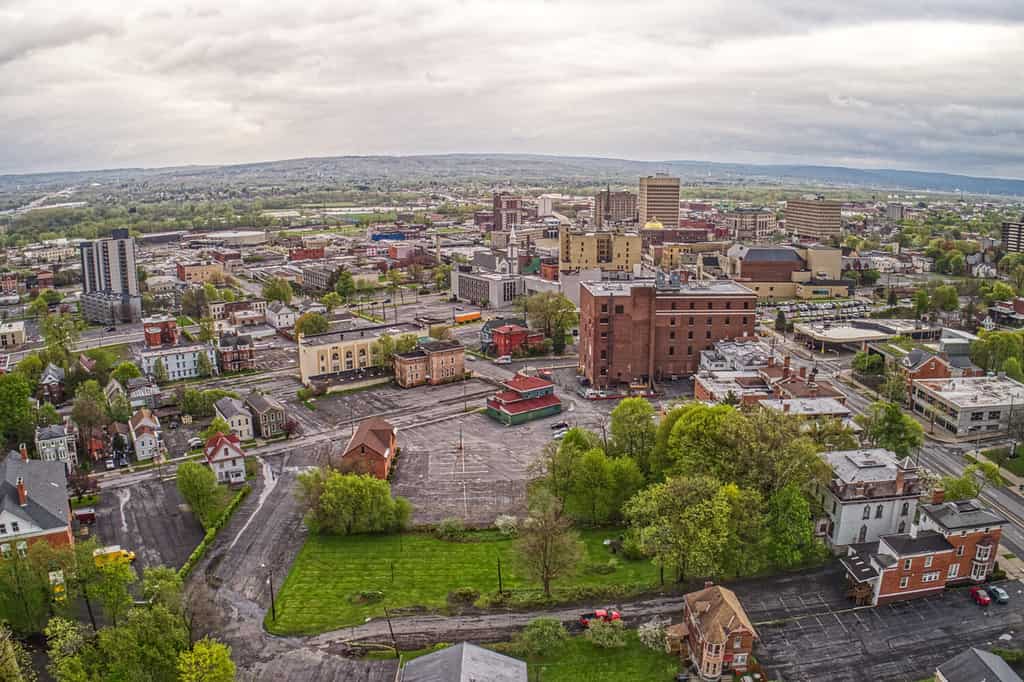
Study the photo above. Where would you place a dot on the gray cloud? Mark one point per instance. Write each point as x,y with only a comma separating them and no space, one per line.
917,84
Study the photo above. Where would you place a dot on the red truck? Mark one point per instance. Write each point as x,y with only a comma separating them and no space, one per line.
605,615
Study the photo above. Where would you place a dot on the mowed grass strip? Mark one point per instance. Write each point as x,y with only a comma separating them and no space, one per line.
321,590
577,660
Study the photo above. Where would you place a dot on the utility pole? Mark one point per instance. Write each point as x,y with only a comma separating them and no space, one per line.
394,642
270,581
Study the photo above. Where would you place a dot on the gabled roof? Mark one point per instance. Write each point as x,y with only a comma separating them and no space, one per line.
522,382
719,613
51,432
216,444
52,375
464,662
231,407
261,402
975,665
143,416
926,542
46,486
373,433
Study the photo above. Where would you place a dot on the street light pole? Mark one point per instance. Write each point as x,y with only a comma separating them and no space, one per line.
270,581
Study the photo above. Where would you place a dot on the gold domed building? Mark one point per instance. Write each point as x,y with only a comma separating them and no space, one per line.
653,224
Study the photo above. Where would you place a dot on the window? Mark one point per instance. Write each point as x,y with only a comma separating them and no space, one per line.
954,570
711,305
739,659
22,548
604,307
878,511
904,581
746,304
672,334
691,305
907,563
867,512
618,310
14,527
5,551
833,506
902,528
737,643
983,553
960,550
930,577
689,350
928,561
905,509
744,320
673,305
707,334
671,350
3,529
709,321
977,416
604,355
672,321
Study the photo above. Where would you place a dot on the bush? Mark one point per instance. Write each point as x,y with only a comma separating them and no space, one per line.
367,597
1010,655
607,635
451,529
541,636
463,596
211,533
507,525
652,634
631,548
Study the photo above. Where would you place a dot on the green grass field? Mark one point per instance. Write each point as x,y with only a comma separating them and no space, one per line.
328,572
580,661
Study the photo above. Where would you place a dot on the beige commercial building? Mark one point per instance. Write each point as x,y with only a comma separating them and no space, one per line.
195,272
751,224
817,219
336,352
786,272
12,335
614,207
608,251
658,200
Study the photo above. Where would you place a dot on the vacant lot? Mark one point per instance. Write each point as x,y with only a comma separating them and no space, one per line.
321,591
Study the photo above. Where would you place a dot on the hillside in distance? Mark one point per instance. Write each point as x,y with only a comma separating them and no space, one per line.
497,169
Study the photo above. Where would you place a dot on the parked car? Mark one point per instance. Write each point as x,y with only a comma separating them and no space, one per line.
559,435
980,596
503,360
606,615
997,594
110,464
85,515
560,426
111,329
194,442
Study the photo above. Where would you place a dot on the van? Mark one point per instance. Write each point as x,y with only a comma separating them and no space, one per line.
112,554
85,515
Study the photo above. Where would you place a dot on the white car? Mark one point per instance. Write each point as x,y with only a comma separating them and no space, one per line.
503,360
194,442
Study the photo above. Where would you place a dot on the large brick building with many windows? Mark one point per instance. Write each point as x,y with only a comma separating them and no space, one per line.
642,331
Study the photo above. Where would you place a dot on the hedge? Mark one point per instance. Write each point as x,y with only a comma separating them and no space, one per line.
211,534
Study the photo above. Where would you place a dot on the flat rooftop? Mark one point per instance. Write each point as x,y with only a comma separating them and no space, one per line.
808,407
714,287
865,465
843,333
967,392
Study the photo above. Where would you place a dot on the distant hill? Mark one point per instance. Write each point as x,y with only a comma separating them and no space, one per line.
504,168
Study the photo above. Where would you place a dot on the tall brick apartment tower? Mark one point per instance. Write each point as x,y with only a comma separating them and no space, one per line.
642,331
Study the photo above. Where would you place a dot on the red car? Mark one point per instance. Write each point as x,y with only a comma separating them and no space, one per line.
980,596
606,615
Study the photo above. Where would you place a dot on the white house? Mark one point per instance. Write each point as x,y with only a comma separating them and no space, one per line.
226,458
56,443
870,494
280,316
181,362
145,430
237,415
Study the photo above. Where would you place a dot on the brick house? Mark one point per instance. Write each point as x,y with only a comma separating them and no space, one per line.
715,634
972,529
371,449
523,399
236,352
33,504
955,542
433,362
510,339
226,458
268,415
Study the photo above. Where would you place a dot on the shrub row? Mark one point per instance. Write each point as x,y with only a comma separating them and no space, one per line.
211,533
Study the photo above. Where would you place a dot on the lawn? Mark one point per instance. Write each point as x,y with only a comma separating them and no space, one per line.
321,590
577,660
1014,465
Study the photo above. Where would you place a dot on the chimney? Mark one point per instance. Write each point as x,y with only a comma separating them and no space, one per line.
899,480
22,493
24,452
785,367
803,373
771,361
938,495
785,408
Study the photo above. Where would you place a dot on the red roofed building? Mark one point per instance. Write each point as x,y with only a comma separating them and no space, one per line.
371,449
523,399
226,458
511,338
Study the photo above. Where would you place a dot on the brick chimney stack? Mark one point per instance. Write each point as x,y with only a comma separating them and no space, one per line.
938,495
899,479
785,367
22,493
803,372
24,452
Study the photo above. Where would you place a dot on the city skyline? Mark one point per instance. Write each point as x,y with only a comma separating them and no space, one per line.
909,87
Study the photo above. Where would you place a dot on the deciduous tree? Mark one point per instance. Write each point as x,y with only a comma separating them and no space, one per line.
277,289
207,661
633,431
547,547
159,371
125,371
885,425
218,425
309,324
198,486
347,504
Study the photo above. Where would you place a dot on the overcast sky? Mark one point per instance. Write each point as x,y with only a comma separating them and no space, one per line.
906,84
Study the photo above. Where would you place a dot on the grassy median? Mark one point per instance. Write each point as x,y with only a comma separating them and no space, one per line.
340,581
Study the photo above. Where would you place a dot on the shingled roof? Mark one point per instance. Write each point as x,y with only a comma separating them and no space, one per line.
719,613
46,488
373,433
464,662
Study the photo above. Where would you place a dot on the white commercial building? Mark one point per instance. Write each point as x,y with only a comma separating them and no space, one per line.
181,362
968,407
